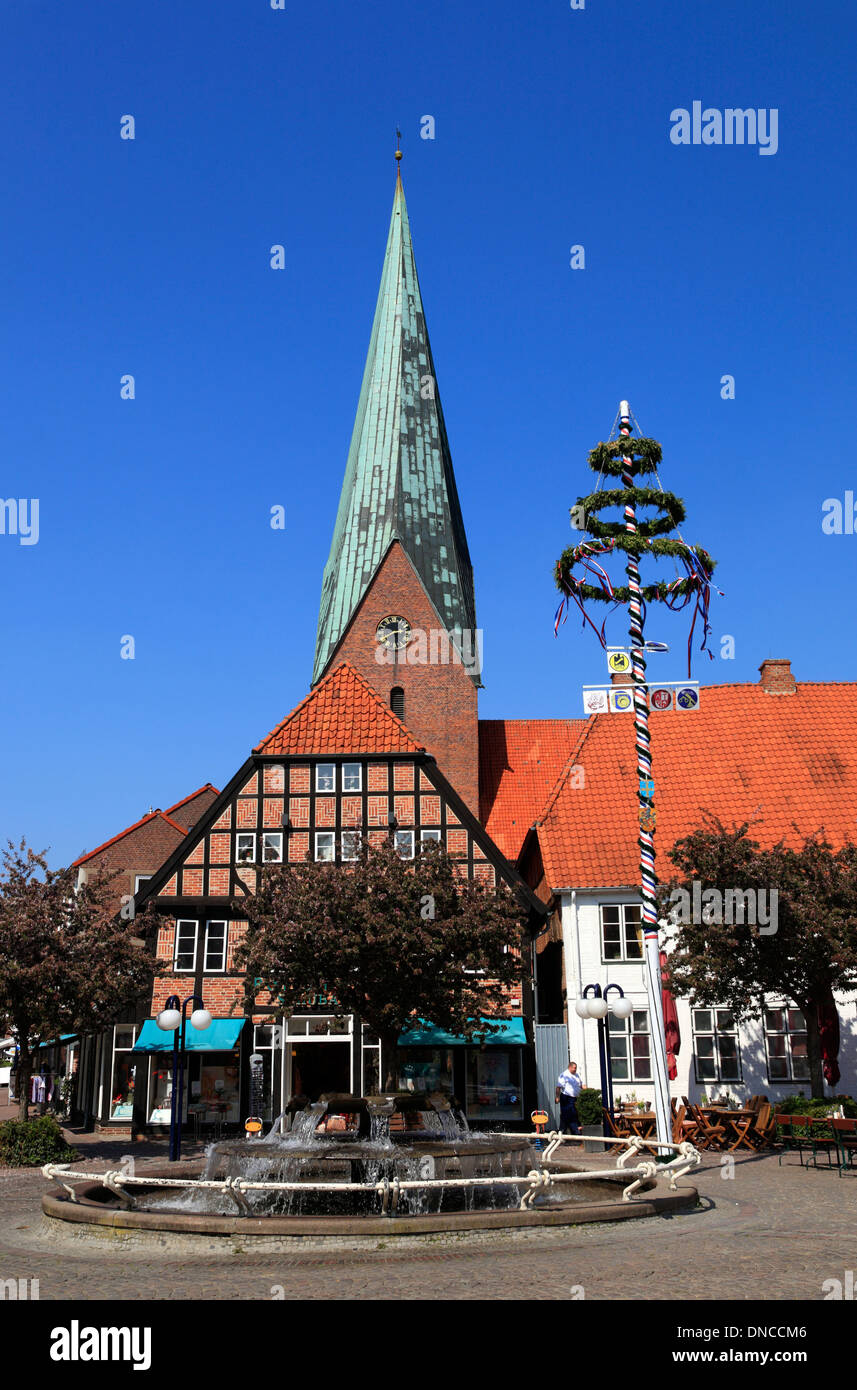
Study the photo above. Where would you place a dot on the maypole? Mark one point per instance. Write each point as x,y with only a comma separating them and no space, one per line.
646,796
625,459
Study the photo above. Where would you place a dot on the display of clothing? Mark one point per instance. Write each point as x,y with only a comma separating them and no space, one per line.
37,1090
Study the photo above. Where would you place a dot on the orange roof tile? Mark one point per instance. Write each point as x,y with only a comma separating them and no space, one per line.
343,714
519,762
786,762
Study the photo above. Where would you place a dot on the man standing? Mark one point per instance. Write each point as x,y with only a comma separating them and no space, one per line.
568,1088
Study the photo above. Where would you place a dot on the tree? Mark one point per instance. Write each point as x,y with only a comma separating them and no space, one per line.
806,947
68,964
390,940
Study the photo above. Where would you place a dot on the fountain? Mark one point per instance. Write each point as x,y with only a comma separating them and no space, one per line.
345,1165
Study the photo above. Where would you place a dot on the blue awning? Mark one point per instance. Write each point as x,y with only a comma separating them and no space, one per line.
510,1034
63,1037
221,1035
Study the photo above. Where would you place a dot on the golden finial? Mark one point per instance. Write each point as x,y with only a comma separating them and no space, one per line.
398,144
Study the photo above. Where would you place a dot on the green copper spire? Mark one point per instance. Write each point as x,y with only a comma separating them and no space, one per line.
399,483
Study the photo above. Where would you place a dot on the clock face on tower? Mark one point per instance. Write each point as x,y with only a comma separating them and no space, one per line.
394,633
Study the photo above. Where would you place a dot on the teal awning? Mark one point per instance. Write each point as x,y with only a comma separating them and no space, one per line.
63,1037
511,1034
221,1035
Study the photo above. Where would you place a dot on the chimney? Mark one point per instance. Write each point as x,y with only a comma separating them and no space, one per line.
776,676
621,678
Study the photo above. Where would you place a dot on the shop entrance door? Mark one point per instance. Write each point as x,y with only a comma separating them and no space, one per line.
320,1068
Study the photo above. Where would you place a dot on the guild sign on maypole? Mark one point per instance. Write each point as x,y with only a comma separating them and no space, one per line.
627,459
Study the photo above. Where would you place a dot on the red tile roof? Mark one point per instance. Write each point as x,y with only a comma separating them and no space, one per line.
343,714
519,763
786,762
185,799
129,830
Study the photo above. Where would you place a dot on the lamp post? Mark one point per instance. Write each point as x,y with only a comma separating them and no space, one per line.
173,1018
598,1007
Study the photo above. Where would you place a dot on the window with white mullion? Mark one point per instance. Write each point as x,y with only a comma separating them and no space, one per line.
184,961
215,947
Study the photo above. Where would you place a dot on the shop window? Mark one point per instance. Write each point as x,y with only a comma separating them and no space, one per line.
325,777
124,1074
325,846
785,1043
717,1055
245,848
494,1083
621,932
630,1050
215,947
272,847
424,1069
161,1090
352,777
405,844
185,957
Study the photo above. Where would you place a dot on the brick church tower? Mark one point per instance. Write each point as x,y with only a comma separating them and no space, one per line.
397,597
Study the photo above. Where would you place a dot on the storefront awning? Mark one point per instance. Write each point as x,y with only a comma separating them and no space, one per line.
511,1034
63,1037
221,1035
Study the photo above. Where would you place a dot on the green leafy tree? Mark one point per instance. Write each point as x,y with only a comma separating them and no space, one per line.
392,940
68,963
806,950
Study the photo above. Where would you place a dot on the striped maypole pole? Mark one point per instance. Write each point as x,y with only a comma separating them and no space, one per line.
652,964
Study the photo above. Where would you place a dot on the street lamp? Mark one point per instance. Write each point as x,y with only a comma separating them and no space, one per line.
172,1019
598,1007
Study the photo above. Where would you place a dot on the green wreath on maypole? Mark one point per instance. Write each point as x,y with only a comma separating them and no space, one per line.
628,459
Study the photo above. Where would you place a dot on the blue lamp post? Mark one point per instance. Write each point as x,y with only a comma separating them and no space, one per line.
172,1019
598,1007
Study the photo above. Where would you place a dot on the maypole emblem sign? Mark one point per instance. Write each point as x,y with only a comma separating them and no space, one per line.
619,699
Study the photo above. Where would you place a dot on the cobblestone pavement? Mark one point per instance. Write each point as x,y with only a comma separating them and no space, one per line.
768,1232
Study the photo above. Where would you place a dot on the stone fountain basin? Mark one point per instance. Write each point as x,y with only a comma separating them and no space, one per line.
98,1213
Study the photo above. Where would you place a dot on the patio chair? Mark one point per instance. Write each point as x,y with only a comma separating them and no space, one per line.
845,1133
617,1129
787,1137
709,1134
764,1130
684,1128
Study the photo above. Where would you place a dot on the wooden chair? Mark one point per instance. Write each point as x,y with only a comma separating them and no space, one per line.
684,1128
764,1131
845,1134
615,1130
709,1134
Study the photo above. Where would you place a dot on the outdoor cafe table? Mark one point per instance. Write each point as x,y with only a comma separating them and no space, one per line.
641,1122
738,1124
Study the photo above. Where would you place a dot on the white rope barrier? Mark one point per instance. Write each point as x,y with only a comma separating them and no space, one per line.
389,1189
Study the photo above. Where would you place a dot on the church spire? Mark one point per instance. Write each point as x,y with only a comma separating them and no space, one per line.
399,482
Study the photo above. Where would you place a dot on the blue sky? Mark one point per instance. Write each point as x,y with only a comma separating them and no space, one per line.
256,127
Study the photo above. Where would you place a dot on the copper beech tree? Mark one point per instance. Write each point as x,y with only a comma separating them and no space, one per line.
391,940
805,949
68,963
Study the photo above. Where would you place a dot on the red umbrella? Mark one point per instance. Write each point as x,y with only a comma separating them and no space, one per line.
671,1028
828,1030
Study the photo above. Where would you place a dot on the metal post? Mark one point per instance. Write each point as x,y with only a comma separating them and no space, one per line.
646,800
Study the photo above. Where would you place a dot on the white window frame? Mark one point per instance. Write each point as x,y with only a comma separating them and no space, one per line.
185,922
629,1032
272,835
398,851
428,837
624,958
788,1033
350,858
348,770
715,1032
141,878
325,859
215,969
245,835
318,775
